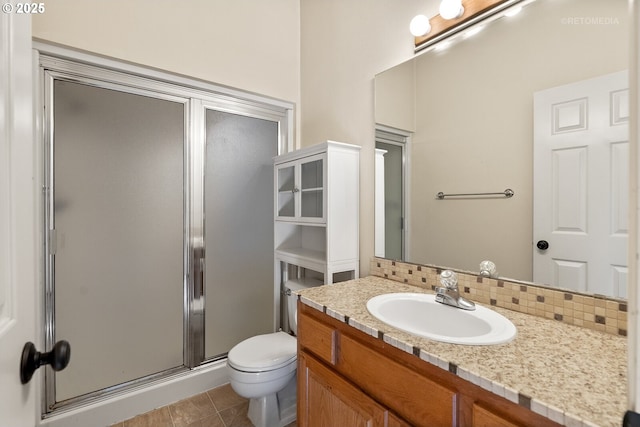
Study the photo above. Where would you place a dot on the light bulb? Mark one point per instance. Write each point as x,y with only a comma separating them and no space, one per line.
451,9
419,26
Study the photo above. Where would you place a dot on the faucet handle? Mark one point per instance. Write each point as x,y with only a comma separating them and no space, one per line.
488,269
449,279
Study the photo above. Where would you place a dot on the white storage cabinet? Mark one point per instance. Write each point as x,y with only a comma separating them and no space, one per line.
317,197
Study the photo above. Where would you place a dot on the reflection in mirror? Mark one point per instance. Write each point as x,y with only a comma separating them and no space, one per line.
469,111
392,150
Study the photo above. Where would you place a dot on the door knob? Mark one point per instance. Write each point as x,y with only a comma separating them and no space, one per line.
543,245
32,359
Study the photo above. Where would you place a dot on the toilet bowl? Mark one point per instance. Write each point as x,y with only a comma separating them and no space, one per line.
263,368
262,364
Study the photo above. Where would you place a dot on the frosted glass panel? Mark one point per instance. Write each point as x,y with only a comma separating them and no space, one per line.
239,291
118,180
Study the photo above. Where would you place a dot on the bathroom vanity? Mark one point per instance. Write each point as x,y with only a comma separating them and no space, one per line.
355,370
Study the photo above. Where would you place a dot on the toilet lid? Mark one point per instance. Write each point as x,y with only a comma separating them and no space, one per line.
263,352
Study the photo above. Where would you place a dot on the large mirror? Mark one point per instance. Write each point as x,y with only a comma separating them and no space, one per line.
550,83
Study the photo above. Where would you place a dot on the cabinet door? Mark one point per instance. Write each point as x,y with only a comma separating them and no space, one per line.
393,421
286,191
325,399
301,190
484,418
312,188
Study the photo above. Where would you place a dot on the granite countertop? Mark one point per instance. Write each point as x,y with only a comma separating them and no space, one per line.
572,375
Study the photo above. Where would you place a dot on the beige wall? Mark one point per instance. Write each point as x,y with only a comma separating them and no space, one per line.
252,45
345,43
322,55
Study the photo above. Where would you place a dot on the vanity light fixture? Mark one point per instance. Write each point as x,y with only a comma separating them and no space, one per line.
454,18
420,26
451,9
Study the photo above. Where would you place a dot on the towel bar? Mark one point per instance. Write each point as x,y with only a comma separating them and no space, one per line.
506,193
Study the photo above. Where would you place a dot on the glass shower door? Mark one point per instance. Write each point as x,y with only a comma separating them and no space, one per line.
238,193
117,248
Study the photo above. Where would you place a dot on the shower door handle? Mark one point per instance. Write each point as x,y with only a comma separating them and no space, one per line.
198,266
32,359
199,279
196,355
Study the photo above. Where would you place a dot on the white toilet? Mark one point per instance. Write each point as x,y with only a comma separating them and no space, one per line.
263,368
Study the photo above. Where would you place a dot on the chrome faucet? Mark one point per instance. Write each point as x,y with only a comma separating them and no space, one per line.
448,294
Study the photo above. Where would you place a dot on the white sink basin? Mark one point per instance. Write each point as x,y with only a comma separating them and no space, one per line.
420,314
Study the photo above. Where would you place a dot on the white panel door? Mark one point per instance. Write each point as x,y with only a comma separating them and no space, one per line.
17,219
581,174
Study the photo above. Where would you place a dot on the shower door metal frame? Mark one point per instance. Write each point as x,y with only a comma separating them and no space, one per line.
196,96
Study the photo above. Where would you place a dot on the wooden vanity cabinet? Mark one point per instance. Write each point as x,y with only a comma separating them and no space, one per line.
331,400
348,378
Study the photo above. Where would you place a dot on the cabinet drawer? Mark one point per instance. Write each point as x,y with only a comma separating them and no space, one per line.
316,337
422,402
484,418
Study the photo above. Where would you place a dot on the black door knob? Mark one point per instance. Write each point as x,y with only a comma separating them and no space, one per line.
543,245
32,359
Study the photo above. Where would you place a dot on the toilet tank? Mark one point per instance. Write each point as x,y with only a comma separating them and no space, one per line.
291,287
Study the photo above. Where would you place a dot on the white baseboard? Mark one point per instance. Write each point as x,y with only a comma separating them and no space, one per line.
129,404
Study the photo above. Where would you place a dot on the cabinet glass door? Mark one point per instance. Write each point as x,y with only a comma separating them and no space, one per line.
286,191
312,187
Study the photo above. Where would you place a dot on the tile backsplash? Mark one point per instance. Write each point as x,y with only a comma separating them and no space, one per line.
595,312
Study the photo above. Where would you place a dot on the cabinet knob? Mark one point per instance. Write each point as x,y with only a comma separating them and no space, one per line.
295,190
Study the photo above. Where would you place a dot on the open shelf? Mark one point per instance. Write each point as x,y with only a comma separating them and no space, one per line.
303,257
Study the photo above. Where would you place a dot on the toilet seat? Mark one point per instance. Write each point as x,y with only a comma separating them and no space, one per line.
263,353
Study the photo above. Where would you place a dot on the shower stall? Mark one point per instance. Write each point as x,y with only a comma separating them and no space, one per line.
158,220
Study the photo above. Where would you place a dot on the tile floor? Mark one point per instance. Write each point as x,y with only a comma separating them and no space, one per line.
220,407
